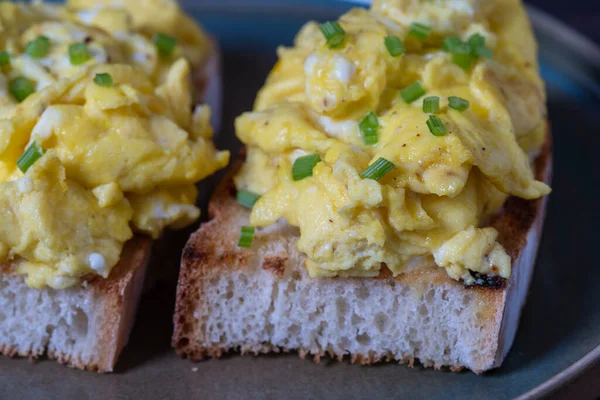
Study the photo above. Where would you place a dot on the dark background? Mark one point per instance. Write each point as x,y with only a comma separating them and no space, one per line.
583,15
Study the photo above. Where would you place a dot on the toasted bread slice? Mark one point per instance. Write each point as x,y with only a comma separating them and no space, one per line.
87,327
84,326
261,299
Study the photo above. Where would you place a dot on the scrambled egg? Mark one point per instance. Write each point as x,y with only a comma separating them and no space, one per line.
119,159
433,204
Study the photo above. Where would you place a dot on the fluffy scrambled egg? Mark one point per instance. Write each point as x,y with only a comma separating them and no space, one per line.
113,31
434,203
119,158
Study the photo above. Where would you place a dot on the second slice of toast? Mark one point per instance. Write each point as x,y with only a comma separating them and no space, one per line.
86,327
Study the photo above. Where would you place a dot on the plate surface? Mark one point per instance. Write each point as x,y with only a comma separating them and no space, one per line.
561,321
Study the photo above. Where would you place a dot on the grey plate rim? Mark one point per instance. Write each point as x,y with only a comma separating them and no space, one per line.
565,376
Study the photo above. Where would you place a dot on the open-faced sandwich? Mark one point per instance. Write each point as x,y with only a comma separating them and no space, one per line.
389,202
102,139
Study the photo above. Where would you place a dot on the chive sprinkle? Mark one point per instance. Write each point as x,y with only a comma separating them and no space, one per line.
461,56
103,79
431,104
478,48
436,126
368,127
394,45
450,43
247,198
458,103
303,166
165,44
378,169
246,236
33,153
78,53
476,40
484,52
418,30
38,47
4,58
412,92
21,88
334,34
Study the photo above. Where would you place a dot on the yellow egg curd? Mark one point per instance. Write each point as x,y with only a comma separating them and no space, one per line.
120,142
433,204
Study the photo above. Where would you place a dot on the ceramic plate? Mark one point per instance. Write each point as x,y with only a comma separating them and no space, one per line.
560,328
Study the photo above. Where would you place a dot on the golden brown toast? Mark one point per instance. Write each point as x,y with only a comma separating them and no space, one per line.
261,300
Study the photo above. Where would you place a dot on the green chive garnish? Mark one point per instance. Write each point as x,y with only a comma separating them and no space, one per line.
38,47
246,236
461,56
436,126
78,53
303,166
484,52
165,44
394,45
247,198
457,103
418,30
478,48
412,92
476,40
4,58
33,153
431,104
103,79
368,127
450,43
21,88
334,34
378,169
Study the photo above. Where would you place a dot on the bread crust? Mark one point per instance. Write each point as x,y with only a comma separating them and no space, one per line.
118,296
213,249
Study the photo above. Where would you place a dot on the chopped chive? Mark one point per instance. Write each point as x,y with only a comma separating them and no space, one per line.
484,52
436,126
38,47
378,169
478,48
165,44
476,40
368,127
303,166
450,43
394,45
103,79
4,58
461,56
334,34
418,30
246,236
431,104
33,153
457,103
247,198
412,92
21,88
78,53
